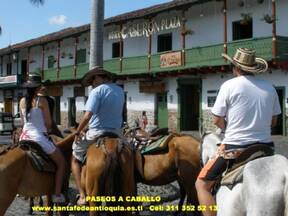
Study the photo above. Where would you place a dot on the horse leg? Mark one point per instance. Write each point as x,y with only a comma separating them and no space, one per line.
7,200
127,176
49,203
31,204
188,178
40,201
182,198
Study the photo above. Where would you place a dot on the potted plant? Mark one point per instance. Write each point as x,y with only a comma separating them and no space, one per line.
246,18
63,55
70,55
269,18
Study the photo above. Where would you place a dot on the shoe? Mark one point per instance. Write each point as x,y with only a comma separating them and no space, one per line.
58,198
80,201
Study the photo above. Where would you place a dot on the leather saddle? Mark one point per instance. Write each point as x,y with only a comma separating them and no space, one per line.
39,159
234,173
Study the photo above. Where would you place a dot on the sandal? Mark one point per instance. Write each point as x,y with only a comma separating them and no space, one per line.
80,201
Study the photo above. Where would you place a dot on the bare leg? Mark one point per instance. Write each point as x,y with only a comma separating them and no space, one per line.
205,197
58,158
76,170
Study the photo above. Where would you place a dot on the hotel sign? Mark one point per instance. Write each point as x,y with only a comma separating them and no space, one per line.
173,59
145,28
8,79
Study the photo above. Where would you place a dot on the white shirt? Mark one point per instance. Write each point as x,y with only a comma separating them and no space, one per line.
248,105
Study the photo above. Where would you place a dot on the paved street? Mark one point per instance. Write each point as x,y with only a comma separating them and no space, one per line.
20,206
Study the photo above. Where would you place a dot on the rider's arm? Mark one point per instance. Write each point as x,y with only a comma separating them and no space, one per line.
274,121
22,106
84,121
219,122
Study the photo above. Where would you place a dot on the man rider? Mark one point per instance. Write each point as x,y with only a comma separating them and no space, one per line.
246,107
103,113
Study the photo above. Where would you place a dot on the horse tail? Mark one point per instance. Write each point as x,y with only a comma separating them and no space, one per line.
111,174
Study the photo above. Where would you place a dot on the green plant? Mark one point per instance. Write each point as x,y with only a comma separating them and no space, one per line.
268,18
246,18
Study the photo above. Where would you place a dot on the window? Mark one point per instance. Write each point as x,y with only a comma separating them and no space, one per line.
9,69
51,61
116,50
164,42
242,31
81,56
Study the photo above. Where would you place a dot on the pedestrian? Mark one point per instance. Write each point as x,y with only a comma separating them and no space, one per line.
103,113
246,107
144,120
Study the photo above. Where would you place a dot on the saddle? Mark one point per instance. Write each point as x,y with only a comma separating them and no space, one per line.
100,141
39,159
157,145
234,173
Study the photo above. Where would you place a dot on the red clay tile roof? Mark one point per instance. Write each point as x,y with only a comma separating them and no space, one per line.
70,32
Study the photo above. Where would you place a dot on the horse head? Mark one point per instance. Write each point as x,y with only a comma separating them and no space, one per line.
209,144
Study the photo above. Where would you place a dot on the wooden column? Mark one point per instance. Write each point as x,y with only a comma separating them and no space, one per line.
121,48
28,64
225,26
274,35
183,37
76,41
58,58
149,46
43,61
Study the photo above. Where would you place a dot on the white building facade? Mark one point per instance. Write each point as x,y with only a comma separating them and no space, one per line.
168,58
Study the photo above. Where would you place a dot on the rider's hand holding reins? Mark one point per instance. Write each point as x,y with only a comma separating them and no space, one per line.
84,121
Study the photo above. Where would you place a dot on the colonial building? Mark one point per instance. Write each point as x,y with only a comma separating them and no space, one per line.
168,58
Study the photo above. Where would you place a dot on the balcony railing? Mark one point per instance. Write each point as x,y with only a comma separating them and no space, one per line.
196,57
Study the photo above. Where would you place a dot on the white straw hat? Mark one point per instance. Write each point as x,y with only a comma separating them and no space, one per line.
245,59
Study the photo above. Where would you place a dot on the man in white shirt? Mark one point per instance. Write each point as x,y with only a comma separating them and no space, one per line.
246,107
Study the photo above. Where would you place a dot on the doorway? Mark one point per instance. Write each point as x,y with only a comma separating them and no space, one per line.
24,70
57,112
71,112
279,129
8,105
189,99
162,111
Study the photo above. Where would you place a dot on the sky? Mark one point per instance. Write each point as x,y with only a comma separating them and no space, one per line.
21,21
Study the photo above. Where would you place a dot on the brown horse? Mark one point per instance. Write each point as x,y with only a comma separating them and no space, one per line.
109,171
18,176
179,162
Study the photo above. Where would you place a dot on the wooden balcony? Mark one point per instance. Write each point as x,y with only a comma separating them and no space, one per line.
196,57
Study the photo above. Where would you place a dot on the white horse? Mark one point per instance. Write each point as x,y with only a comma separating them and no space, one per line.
264,190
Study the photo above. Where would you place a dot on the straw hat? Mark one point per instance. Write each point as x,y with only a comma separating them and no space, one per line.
245,59
90,75
34,81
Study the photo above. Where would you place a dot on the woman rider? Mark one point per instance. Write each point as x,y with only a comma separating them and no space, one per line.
36,120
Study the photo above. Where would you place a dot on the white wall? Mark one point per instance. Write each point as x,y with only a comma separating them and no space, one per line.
172,96
68,92
35,59
138,101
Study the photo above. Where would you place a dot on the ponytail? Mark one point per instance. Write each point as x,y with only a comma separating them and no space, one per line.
28,99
